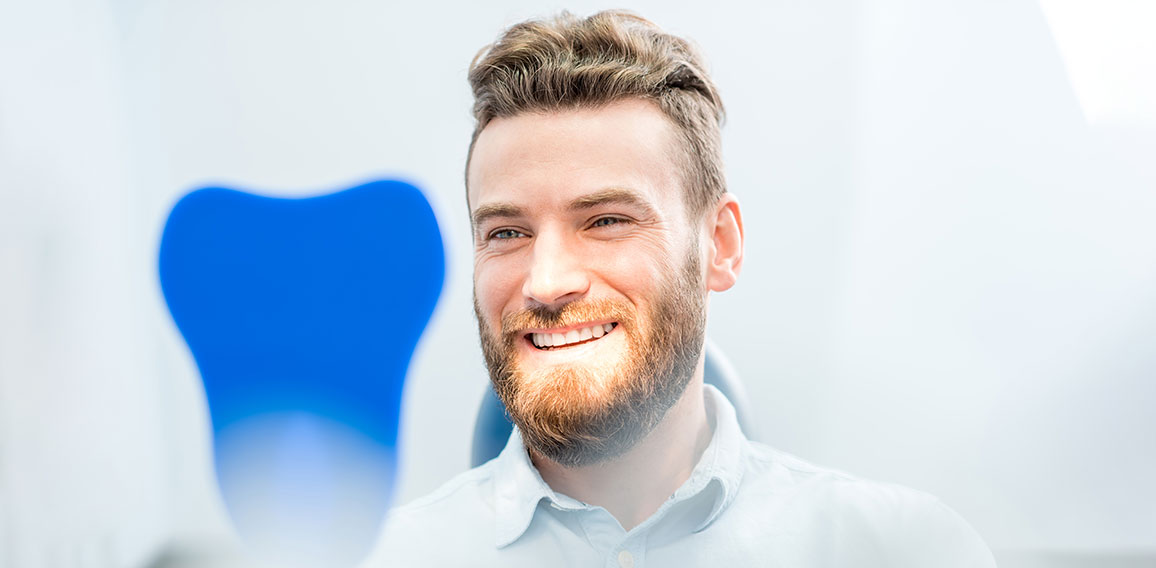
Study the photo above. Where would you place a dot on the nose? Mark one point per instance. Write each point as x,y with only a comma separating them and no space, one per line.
557,273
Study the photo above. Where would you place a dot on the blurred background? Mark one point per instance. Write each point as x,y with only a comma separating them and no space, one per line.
950,278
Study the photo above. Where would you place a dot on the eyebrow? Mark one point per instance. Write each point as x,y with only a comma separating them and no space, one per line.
608,196
491,210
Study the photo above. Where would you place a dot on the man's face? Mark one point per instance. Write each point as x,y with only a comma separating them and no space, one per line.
587,275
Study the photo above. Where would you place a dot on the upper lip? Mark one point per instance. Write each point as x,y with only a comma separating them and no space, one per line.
576,326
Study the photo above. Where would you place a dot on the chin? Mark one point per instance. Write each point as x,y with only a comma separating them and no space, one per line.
571,392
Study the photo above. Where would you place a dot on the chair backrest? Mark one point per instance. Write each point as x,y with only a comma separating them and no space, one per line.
492,428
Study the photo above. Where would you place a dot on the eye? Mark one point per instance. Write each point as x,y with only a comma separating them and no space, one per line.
608,221
504,234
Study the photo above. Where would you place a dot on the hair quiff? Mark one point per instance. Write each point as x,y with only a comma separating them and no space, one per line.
568,62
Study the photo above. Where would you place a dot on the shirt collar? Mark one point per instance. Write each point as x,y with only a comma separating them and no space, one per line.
518,487
722,462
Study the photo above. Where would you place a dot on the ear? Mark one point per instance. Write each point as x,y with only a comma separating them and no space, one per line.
725,229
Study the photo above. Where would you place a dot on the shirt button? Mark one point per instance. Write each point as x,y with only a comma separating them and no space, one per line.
625,559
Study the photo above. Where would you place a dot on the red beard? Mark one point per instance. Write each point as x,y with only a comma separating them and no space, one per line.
580,415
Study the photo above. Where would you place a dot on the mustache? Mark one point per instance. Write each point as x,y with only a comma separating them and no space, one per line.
572,313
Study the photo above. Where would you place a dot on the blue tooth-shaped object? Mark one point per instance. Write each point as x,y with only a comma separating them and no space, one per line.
302,316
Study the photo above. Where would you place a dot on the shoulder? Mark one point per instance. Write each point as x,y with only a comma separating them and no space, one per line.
897,525
415,534
791,478
470,489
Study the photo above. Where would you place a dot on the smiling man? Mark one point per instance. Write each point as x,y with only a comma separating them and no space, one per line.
601,222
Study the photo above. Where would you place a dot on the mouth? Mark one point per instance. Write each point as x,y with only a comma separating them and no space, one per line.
552,340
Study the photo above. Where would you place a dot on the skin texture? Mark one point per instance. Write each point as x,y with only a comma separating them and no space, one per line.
579,219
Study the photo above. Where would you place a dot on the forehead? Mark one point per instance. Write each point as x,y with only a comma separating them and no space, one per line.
547,158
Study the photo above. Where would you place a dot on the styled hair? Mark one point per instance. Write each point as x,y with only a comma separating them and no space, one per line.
566,62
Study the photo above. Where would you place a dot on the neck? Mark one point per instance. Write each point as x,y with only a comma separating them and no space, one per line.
634,485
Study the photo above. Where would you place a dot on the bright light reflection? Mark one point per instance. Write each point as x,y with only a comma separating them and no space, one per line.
1109,50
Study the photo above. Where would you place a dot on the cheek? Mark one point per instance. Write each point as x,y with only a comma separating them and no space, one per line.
495,285
639,266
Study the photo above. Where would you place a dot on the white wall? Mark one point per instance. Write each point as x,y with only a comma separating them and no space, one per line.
949,277
998,301
82,430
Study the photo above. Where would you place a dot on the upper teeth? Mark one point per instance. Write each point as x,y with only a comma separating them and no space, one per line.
572,336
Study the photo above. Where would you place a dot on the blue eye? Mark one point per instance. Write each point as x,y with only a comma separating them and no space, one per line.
506,234
607,221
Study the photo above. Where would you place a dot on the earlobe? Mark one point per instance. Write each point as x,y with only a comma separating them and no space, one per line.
726,257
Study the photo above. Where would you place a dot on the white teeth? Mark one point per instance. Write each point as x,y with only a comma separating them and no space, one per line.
544,340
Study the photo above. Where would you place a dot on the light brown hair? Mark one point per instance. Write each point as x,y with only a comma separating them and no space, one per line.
568,62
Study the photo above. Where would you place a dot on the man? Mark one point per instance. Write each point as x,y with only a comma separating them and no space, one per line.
601,221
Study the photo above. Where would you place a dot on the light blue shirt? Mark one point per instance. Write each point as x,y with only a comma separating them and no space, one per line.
744,504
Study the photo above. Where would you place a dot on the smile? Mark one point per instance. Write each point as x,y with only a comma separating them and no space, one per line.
557,340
